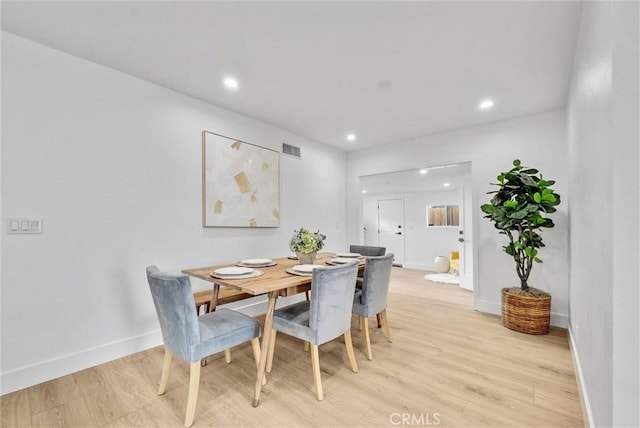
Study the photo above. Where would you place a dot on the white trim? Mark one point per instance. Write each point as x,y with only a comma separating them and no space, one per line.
584,397
43,371
24,377
466,282
489,307
417,266
557,320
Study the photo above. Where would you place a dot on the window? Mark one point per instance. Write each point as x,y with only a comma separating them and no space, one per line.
443,215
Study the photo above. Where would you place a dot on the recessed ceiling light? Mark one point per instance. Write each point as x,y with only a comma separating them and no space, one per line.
351,137
364,191
486,104
230,82
424,171
447,184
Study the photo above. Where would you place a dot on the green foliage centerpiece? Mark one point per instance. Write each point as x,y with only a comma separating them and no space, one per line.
306,244
519,209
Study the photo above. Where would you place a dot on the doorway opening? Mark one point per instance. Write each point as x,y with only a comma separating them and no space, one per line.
391,228
420,215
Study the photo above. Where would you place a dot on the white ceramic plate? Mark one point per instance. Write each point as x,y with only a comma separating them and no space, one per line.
342,260
257,262
349,255
233,270
305,268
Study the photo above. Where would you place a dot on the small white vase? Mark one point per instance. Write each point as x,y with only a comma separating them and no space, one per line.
306,259
441,264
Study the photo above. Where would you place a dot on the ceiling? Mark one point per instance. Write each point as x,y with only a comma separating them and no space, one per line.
418,180
385,71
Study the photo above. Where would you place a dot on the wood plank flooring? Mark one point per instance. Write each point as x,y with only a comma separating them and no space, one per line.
448,365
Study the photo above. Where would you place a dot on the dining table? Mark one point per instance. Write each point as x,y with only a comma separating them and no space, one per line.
275,280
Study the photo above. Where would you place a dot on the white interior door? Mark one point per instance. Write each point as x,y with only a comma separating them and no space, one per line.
465,239
391,227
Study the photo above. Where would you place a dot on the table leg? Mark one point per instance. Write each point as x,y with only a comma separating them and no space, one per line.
266,337
214,297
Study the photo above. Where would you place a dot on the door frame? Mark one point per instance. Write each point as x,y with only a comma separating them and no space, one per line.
403,223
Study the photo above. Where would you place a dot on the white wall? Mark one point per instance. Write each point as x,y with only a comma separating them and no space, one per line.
604,153
422,244
539,141
113,166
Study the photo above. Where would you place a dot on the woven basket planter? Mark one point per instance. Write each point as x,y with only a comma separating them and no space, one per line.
526,314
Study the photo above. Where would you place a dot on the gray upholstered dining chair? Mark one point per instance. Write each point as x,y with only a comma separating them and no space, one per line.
371,299
367,250
191,337
326,316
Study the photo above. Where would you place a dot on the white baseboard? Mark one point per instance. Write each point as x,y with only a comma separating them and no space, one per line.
43,371
489,307
24,377
417,266
584,397
466,286
557,320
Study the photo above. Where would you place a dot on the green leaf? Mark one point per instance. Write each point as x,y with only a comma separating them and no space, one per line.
516,162
510,204
487,208
537,197
518,214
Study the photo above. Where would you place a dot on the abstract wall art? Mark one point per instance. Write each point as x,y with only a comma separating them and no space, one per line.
240,183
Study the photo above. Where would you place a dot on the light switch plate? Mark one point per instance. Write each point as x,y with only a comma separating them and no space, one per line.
24,225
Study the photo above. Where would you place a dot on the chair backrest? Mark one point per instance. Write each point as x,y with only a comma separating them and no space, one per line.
173,299
375,283
367,250
331,301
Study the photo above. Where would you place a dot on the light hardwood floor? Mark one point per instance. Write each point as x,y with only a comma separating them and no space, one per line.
448,365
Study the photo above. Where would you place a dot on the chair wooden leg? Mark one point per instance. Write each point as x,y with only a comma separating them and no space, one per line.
270,350
360,323
194,383
349,345
378,318
227,355
385,325
367,339
306,346
315,368
166,368
255,345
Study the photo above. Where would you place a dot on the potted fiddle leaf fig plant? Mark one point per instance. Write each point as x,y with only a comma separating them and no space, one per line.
306,244
520,209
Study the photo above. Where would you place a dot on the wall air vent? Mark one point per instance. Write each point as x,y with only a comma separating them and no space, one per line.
290,150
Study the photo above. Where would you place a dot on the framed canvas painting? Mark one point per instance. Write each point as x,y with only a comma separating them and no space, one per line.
240,183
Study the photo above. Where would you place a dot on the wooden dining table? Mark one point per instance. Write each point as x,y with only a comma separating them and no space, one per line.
275,282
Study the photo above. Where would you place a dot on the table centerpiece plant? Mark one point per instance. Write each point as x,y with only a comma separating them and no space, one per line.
306,244
519,209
